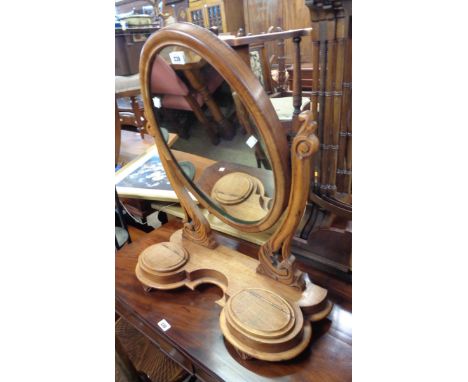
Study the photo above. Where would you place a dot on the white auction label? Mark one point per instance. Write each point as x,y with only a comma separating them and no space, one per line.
164,325
177,57
157,102
251,142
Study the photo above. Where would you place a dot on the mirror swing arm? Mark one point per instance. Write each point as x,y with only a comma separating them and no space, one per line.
267,304
196,227
276,260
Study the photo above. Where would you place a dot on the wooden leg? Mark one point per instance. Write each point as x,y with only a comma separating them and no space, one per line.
195,79
139,119
210,128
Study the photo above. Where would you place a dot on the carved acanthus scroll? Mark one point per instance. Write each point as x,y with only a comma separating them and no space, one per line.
196,227
275,256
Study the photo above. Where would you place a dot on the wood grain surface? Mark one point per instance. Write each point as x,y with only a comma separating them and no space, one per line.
195,340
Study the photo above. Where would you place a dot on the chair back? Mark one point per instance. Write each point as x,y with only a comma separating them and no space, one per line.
164,80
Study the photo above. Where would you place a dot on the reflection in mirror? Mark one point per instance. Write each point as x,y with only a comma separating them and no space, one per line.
219,148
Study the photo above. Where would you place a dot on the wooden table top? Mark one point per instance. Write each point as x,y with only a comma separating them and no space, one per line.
194,320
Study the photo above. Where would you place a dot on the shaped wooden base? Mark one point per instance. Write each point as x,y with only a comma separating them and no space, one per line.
261,317
261,324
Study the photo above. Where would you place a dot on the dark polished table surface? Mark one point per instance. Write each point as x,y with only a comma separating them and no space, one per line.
195,340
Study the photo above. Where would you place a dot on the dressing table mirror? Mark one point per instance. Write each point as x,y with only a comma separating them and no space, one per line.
232,158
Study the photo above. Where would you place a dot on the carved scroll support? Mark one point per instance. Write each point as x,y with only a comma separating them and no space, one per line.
275,256
196,227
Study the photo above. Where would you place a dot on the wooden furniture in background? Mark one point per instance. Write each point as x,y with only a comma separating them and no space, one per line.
226,15
201,78
258,53
132,146
259,15
177,8
326,234
244,45
191,96
128,44
194,340
306,77
130,110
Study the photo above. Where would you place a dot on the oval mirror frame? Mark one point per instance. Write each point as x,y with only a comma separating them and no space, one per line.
240,78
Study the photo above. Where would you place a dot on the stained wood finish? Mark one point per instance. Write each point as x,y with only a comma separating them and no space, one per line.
287,14
133,115
297,90
194,257
275,255
263,325
343,181
245,44
241,79
330,197
306,77
195,341
281,58
239,76
128,44
235,41
180,262
331,95
230,18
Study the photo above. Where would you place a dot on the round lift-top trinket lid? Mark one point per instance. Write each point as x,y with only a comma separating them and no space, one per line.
261,312
162,265
163,257
261,324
